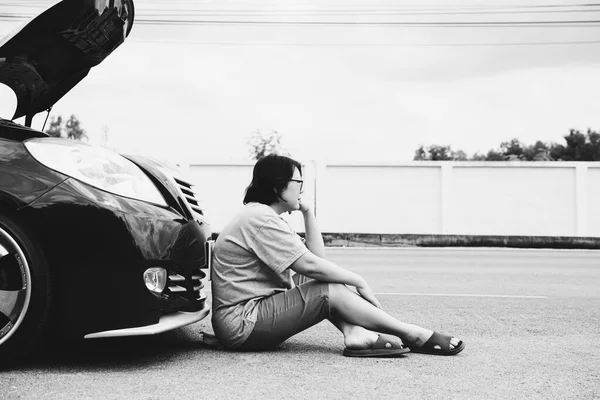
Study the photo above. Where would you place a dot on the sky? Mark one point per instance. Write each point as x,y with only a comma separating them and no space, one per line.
345,81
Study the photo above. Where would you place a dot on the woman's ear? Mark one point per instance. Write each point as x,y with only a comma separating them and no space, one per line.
278,194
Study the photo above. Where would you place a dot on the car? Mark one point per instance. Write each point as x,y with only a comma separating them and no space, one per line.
93,243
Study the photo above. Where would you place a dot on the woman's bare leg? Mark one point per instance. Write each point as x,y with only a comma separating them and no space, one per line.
355,337
350,309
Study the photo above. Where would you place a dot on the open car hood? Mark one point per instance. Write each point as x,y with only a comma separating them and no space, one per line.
49,55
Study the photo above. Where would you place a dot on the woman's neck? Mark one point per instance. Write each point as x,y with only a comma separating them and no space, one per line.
278,207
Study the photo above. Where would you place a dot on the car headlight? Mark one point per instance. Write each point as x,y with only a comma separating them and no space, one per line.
95,166
155,279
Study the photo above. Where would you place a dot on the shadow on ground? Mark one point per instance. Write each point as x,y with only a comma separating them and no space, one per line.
121,353
138,352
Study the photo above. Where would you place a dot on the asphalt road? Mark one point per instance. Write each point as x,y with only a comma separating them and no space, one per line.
530,320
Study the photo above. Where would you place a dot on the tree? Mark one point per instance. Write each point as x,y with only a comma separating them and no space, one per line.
74,129
459,155
512,150
582,147
537,152
478,157
439,153
55,127
262,145
579,147
494,155
433,153
70,129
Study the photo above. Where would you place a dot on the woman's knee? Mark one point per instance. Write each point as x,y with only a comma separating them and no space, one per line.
338,291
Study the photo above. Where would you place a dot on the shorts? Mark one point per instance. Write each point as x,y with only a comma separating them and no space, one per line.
285,314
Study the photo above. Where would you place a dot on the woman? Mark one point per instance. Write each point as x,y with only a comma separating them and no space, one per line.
258,303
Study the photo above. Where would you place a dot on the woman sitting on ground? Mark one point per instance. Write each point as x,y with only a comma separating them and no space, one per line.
258,302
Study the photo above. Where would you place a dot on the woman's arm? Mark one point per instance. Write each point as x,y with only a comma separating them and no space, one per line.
314,265
314,239
320,269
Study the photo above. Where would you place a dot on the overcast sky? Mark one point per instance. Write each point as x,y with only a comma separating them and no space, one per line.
338,90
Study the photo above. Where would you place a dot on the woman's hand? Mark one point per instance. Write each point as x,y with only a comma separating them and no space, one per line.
304,207
367,294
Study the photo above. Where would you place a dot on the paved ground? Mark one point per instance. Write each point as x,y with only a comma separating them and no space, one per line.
530,320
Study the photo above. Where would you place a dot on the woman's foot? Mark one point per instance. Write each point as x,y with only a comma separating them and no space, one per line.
361,342
423,335
357,337
437,344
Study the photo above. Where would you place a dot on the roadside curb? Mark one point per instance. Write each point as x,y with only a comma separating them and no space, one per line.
332,239
414,240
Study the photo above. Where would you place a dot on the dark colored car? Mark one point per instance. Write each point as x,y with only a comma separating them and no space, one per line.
92,243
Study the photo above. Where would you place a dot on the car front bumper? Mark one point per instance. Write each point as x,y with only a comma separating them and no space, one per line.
166,323
99,245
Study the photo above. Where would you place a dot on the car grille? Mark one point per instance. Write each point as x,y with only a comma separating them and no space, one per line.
189,195
187,284
184,290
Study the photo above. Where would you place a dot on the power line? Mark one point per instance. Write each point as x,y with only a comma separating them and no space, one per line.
394,11
347,9
473,24
255,44
450,24
171,14
221,13
26,3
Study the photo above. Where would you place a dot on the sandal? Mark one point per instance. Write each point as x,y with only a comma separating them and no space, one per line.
437,339
381,348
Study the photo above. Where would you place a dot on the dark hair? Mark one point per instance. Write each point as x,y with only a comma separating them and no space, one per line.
270,177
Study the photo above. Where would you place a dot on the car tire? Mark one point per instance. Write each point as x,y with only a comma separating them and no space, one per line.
25,292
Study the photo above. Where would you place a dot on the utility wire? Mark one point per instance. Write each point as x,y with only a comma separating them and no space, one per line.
454,24
341,9
487,24
456,10
27,3
145,17
255,44
219,13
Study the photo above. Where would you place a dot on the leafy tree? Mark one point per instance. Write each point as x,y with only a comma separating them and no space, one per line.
579,147
494,155
70,129
420,154
478,157
74,129
540,151
439,153
557,151
459,155
512,150
55,127
262,145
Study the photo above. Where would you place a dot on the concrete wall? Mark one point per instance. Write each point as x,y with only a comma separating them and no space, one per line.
462,198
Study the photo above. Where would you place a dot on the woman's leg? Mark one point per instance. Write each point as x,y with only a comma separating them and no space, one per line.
359,329
351,309
355,337
285,314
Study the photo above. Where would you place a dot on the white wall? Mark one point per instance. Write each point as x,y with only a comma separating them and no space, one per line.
220,188
379,199
590,213
475,198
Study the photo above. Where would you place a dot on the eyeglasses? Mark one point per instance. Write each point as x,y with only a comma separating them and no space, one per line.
298,180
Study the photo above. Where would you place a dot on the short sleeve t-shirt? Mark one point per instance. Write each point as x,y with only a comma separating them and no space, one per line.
251,260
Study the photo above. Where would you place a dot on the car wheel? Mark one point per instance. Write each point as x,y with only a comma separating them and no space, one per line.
24,292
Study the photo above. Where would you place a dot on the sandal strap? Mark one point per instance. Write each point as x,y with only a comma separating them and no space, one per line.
438,339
